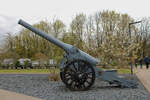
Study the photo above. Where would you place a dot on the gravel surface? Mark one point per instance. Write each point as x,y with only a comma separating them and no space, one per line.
38,85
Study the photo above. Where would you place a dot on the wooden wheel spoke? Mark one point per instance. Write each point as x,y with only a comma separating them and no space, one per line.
73,85
67,79
87,82
68,74
79,75
88,76
81,67
75,67
83,86
71,82
88,72
86,68
72,70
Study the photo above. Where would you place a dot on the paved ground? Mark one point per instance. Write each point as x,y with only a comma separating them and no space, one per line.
7,95
144,76
38,85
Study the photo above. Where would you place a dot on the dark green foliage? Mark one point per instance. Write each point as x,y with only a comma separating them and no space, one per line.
27,64
17,64
0,65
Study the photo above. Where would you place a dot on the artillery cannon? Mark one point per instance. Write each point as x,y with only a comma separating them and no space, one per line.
78,69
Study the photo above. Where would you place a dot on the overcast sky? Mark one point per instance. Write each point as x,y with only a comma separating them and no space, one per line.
33,11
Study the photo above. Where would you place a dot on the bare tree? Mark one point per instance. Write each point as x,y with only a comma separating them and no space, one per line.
145,34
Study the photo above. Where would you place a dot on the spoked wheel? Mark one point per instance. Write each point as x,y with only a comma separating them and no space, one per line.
62,77
79,75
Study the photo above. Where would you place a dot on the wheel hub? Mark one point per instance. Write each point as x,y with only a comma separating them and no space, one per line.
78,76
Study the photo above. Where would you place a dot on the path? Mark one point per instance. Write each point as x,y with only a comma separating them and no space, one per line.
7,95
144,76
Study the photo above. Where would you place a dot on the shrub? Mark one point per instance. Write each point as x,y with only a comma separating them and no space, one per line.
7,66
0,65
54,76
27,64
17,64
114,63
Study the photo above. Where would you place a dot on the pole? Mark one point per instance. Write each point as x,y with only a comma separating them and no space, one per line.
130,41
131,68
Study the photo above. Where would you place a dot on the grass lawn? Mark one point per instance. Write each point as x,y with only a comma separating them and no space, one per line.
28,71
124,71
45,71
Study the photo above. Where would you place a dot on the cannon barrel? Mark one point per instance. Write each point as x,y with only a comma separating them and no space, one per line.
48,37
69,49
